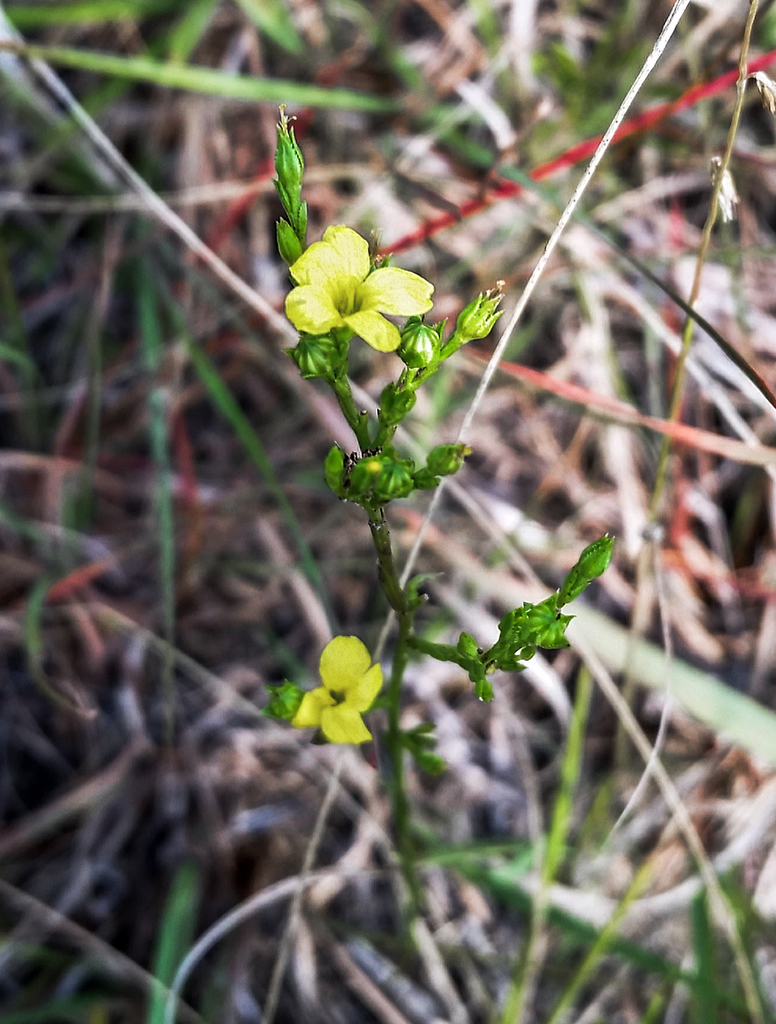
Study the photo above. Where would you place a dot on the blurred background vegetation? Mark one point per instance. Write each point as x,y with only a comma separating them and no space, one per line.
168,547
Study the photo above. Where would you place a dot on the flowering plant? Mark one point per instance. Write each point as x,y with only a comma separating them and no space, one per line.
339,292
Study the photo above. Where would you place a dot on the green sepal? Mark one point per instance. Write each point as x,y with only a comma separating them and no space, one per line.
289,246
284,701
361,480
478,318
446,459
395,404
467,646
319,356
298,219
334,472
593,561
394,480
289,161
420,344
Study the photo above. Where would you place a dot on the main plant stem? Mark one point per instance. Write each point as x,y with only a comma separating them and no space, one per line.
397,598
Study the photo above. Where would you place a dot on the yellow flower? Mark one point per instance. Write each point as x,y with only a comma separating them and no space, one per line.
350,686
335,289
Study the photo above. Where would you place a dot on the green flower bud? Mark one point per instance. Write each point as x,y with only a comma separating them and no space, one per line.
284,701
419,344
394,481
289,246
593,561
425,480
298,219
317,355
363,477
394,405
478,318
289,162
467,646
334,471
446,459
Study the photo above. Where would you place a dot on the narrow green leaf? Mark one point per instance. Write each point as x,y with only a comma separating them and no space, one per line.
705,960
175,935
506,891
88,12
208,80
151,334
272,18
189,29
572,763
734,716
33,641
600,947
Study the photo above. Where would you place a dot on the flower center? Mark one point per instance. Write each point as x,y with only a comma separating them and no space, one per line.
343,294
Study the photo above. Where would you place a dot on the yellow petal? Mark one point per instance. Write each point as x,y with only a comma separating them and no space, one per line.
362,695
314,265
352,259
343,662
310,309
395,291
342,725
312,707
375,330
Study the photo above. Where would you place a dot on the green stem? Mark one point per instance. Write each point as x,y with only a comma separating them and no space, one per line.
357,421
395,742
394,739
386,566
442,652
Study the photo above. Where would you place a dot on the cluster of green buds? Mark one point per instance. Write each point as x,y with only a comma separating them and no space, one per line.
289,167
524,629
380,475
422,350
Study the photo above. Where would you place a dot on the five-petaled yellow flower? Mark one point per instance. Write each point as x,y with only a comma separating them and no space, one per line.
335,289
350,685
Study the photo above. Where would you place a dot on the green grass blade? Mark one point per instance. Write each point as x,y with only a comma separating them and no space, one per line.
33,642
16,349
732,715
21,526
499,883
208,80
528,962
151,334
572,763
87,12
189,29
176,933
272,18
705,959
600,947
